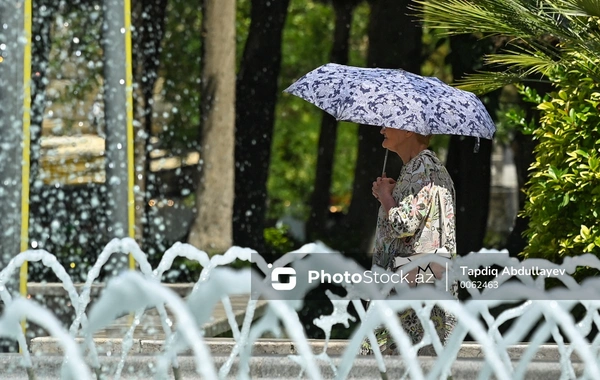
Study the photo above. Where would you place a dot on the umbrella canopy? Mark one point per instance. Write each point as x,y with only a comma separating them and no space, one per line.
394,98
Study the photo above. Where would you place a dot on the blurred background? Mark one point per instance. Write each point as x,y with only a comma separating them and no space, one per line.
222,157
299,175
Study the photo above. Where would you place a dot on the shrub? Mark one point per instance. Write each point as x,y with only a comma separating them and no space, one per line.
278,240
564,186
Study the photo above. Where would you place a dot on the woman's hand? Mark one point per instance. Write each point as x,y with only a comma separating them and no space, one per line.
382,191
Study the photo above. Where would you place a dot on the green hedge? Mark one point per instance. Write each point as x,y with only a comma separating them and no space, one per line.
564,186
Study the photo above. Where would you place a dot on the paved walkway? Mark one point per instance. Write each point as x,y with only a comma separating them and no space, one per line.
150,327
265,347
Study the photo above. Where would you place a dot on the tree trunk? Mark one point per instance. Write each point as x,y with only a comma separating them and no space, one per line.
257,93
149,20
315,227
522,147
41,42
211,229
394,42
470,171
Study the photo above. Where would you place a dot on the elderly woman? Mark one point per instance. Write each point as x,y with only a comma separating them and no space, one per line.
416,217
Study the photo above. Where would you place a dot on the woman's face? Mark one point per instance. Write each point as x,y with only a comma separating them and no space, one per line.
393,139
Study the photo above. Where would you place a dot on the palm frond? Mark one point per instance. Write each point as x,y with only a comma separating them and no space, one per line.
486,81
522,19
466,16
526,62
576,8
579,22
583,62
546,34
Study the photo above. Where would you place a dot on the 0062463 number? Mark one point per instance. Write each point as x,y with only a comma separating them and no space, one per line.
475,284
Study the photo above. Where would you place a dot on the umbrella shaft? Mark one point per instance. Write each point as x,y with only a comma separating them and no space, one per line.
385,162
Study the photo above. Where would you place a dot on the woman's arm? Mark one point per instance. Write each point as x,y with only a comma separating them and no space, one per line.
407,216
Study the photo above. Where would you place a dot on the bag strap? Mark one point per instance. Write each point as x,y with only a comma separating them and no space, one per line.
442,219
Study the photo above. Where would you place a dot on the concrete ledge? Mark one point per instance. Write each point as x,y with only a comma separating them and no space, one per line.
218,346
223,346
274,367
105,346
57,289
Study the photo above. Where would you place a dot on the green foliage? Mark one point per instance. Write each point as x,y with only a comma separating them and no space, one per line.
278,239
76,62
564,186
436,47
538,32
242,26
558,40
306,45
307,40
180,74
343,168
181,70
511,115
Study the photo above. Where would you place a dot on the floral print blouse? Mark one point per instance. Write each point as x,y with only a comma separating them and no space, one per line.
424,220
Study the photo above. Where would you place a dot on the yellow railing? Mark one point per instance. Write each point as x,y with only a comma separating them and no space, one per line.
130,150
27,11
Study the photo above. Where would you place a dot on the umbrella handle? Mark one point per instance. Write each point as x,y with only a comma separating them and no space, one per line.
385,162
476,148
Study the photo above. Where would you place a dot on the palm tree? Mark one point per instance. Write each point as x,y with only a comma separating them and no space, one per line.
544,35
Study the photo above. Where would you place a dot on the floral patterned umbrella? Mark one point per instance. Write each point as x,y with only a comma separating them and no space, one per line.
394,99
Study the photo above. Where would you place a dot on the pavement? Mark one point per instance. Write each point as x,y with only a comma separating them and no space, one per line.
265,347
150,326
280,367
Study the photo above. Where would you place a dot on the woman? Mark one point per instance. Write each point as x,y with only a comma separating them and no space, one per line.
416,217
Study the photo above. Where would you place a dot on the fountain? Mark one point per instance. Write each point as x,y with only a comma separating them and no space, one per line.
186,352
481,340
